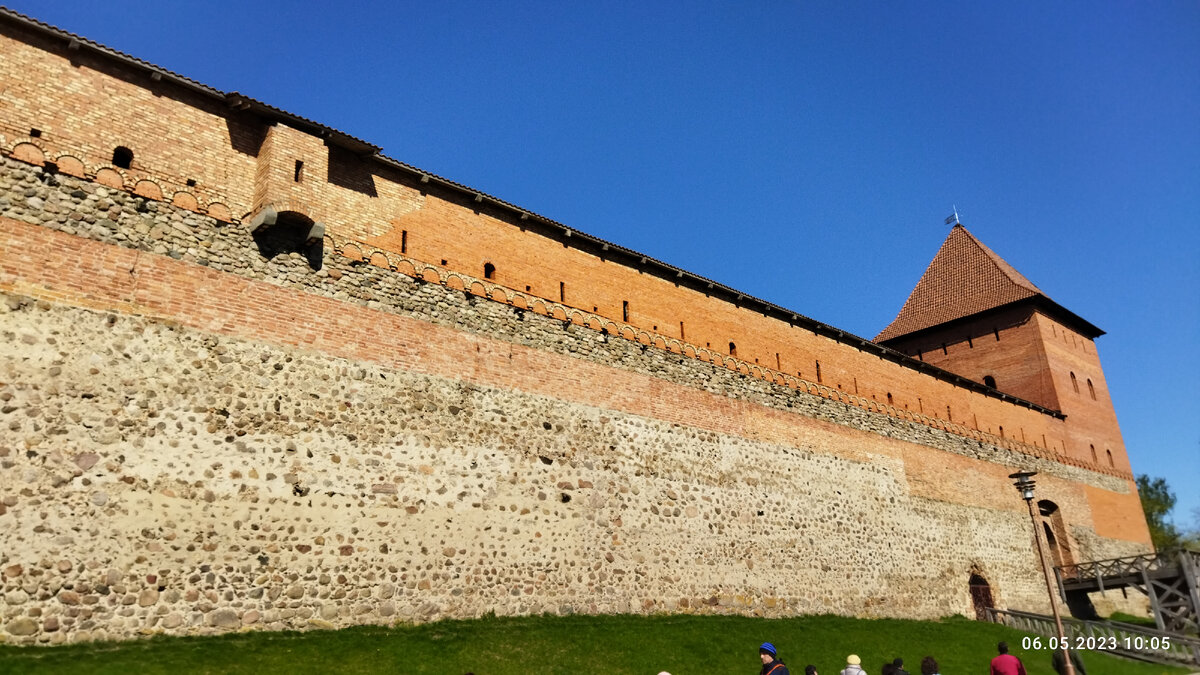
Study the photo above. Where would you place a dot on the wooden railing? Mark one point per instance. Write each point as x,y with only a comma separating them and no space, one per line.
1136,642
1130,566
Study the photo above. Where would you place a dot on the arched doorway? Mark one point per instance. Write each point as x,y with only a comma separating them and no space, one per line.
280,233
1055,530
981,596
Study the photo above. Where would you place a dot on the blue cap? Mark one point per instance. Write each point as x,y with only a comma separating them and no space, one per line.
768,648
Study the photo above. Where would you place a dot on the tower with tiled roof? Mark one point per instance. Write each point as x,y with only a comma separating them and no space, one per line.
975,315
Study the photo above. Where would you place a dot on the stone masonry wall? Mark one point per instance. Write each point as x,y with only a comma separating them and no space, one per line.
195,439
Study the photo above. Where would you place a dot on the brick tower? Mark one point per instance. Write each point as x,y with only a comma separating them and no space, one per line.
974,315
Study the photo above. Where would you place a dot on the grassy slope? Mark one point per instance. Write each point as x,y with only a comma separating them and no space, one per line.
580,644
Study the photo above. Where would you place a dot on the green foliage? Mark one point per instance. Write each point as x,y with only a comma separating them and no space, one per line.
1135,620
1157,502
679,644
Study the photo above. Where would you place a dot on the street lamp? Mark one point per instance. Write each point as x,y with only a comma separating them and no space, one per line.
1023,480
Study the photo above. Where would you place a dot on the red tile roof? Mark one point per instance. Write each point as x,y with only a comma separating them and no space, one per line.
965,278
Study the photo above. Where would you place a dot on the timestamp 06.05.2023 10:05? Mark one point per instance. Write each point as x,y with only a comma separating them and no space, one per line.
1100,643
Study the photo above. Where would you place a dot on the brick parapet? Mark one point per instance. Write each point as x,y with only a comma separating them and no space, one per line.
236,244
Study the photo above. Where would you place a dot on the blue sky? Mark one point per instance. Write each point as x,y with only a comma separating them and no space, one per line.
806,153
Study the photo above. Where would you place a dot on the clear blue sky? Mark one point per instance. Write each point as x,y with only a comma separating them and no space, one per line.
806,153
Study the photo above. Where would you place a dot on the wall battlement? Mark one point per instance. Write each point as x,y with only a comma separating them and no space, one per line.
204,428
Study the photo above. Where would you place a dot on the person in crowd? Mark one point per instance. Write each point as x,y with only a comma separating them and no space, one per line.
853,666
898,666
770,660
810,670
888,669
1060,664
929,666
1005,663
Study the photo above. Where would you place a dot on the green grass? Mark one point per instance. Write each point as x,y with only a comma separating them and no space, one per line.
1135,620
682,645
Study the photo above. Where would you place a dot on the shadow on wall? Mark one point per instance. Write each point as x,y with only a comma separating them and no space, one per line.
246,133
291,233
350,171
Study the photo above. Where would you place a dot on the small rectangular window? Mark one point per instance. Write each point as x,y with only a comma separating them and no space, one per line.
404,241
299,175
625,310
562,291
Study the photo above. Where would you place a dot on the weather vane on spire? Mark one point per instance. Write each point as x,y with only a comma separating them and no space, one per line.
953,220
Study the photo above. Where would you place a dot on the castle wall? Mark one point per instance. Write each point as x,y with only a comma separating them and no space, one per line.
1005,344
195,439
240,164
1093,418
1033,356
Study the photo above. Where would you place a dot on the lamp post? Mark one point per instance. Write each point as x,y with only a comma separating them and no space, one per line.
1023,480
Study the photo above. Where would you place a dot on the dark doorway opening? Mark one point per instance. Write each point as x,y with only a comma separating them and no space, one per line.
981,596
291,233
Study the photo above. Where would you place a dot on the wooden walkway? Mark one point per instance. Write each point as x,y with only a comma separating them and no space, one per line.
1169,579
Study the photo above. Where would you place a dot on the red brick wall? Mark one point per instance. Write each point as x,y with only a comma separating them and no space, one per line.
237,162
75,271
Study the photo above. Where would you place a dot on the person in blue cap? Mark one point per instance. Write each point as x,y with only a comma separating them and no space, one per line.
770,660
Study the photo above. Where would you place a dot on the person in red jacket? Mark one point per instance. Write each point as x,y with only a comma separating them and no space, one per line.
1005,663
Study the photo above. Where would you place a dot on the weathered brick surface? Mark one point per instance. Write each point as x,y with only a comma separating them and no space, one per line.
195,438
281,448
393,219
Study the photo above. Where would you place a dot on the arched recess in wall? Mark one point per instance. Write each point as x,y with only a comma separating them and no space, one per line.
287,232
29,153
148,189
1055,530
185,200
1091,389
71,166
1074,383
981,596
989,381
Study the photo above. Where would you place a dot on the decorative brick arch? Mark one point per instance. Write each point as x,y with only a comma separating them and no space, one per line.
352,251
406,268
110,177
184,200
71,165
27,151
220,211
380,259
149,189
